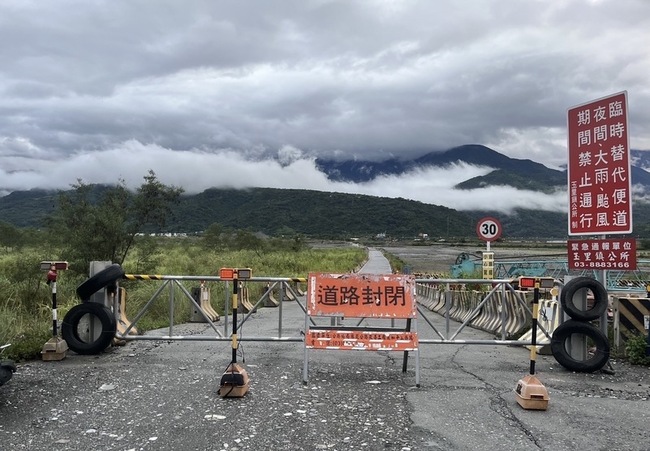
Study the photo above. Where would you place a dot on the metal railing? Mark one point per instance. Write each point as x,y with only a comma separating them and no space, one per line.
500,297
172,281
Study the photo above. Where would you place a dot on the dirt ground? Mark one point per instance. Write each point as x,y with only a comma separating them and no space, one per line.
438,258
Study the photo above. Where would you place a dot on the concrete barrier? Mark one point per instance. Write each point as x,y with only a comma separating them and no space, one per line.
245,302
269,297
463,306
549,318
123,323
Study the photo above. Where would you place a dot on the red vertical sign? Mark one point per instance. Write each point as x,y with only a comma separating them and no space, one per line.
599,174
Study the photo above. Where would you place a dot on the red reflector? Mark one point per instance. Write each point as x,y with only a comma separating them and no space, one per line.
227,273
527,282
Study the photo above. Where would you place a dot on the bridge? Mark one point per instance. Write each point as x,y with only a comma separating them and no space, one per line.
468,265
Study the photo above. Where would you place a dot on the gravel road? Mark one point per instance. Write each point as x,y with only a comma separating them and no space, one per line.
162,395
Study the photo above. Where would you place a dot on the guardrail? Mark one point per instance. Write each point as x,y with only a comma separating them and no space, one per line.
171,282
501,309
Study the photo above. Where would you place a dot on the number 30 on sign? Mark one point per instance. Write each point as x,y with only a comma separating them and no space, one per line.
488,229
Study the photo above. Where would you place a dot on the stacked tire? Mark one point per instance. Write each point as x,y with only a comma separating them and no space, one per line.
7,369
89,328
580,324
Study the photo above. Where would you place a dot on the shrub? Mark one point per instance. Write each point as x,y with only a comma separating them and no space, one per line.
28,346
635,350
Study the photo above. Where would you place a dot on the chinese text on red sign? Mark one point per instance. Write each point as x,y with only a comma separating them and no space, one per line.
361,340
599,168
362,296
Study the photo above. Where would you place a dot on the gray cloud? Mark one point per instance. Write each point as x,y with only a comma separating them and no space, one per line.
91,85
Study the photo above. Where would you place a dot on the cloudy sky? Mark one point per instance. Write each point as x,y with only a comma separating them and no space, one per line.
248,93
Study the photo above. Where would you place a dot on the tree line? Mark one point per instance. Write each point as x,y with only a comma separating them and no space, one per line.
104,223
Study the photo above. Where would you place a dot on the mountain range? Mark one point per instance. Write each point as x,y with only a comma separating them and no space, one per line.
506,171
337,215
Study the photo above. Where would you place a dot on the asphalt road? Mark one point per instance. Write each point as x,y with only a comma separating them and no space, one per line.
162,395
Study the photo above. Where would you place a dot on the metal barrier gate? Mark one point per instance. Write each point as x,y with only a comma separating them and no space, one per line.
495,307
171,282
502,309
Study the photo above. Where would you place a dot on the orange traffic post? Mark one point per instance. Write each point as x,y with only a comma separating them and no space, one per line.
530,392
234,381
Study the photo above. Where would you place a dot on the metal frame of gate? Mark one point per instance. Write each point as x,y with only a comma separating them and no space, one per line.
284,283
171,282
498,285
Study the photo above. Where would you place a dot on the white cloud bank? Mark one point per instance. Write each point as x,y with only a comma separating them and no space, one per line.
197,171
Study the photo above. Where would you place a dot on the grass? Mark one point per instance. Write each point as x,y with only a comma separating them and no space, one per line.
26,299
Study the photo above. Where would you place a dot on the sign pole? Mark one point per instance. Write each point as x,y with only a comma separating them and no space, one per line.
533,338
235,380
235,307
603,280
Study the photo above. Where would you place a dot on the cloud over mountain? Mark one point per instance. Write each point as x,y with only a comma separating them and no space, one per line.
211,93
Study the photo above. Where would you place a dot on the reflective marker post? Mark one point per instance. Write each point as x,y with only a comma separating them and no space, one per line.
56,348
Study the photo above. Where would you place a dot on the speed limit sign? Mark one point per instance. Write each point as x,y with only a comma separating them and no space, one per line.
488,229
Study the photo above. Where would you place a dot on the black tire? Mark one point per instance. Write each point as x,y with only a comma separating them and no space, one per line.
106,276
71,323
599,306
564,333
7,369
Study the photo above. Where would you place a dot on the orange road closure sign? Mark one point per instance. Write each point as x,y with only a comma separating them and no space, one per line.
361,295
379,297
361,340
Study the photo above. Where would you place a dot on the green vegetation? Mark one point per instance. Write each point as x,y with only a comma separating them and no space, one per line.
26,300
10,236
318,215
276,213
635,350
104,223
541,179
